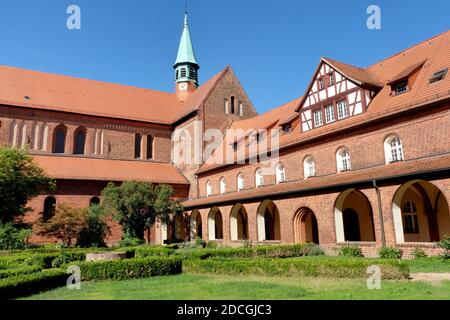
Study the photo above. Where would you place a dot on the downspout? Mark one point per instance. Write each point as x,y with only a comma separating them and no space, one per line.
380,213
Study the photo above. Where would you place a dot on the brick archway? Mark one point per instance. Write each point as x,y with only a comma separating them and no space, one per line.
305,226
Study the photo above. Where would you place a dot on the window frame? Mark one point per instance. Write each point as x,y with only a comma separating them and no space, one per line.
327,118
318,112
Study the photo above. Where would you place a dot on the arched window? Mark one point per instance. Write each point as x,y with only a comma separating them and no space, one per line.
94,201
223,185
23,135
59,139
35,129
208,189
259,178
241,109
280,173
240,182
410,218
79,141
149,147
233,109
393,149
343,160
309,167
137,146
227,108
49,208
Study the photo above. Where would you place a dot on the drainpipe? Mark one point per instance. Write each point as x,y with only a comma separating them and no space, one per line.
380,213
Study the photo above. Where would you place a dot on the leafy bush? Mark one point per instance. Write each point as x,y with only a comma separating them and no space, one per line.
350,251
130,268
95,231
390,253
149,251
67,257
445,244
419,253
212,245
23,285
315,267
42,261
130,242
13,238
199,242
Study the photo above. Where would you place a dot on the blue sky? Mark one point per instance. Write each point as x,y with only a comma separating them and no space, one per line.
273,46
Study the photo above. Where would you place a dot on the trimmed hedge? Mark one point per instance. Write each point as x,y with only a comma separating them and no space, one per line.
314,267
20,270
280,251
148,251
24,285
132,268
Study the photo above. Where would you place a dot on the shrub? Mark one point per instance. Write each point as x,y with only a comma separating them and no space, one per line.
350,251
23,285
148,251
390,253
132,268
315,267
95,231
445,244
13,238
419,253
19,270
199,242
212,245
42,261
67,257
130,242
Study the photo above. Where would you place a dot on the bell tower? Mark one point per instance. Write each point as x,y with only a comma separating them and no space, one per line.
186,66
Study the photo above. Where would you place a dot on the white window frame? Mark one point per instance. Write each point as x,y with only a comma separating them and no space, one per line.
393,149
329,114
259,178
223,185
309,167
342,109
344,162
280,173
240,182
318,118
209,189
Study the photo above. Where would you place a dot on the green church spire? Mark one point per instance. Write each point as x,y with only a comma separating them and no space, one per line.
186,65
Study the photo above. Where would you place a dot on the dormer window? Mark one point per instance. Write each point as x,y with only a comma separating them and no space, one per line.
400,87
438,76
287,128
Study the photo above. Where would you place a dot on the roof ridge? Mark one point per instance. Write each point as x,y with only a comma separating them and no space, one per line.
87,80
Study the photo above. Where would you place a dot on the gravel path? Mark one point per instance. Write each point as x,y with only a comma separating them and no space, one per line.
430,277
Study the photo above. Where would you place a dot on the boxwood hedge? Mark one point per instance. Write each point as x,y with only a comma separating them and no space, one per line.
130,268
23,285
315,267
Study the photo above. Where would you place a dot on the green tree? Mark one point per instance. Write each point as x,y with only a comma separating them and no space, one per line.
20,180
137,205
65,225
93,234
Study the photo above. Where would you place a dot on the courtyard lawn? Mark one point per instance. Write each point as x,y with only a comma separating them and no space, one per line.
197,287
434,264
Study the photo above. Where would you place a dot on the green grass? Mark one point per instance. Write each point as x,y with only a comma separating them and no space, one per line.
434,264
197,287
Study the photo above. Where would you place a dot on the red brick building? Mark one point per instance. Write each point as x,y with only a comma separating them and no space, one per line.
362,157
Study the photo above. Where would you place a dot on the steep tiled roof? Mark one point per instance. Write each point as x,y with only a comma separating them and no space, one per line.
77,168
38,90
434,54
351,177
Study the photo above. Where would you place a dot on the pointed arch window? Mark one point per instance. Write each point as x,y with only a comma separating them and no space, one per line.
393,149
23,135
223,186
59,139
149,147
43,137
138,146
240,182
241,109
49,208
343,160
79,141
410,218
309,167
233,107
13,134
259,178
280,173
